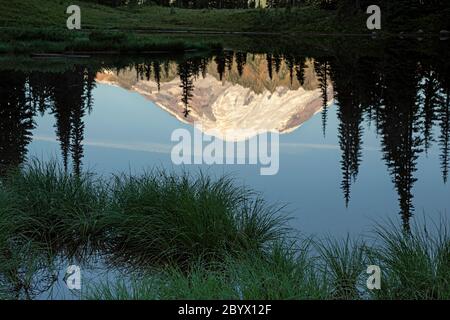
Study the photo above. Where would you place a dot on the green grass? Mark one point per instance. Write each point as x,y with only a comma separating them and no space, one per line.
283,273
194,237
51,40
416,266
151,219
30,26
51,13
40,27
163,216
326,269
342,263
55,208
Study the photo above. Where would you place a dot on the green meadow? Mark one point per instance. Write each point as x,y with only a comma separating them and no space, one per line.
29,26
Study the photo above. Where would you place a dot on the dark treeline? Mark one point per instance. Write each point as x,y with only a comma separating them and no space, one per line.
403,7
192,4
407,101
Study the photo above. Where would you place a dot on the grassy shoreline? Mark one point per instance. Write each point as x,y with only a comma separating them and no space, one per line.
35,27
51,13
195,237
50,40
28,27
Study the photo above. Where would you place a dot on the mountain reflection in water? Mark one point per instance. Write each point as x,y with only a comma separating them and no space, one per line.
404,95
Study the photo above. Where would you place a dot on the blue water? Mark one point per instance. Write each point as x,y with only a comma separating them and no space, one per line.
127,132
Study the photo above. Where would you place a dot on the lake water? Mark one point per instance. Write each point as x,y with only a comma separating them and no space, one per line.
363,136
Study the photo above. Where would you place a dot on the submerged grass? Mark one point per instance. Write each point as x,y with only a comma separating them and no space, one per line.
325,270
194,237
279,274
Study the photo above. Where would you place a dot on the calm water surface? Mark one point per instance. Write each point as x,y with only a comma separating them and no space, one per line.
362,138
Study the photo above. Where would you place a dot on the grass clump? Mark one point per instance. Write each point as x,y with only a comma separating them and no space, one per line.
288,271
54,207
180,218
342,263
415,265
151,219
278,274
25,265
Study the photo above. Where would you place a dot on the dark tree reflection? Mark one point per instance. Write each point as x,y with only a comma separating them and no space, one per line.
185,71
300,64
350,115
444,115
66,95
399,127
16,120
402,95
241,60
321,67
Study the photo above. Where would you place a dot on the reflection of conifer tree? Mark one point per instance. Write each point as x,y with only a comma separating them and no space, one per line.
229,59
241,60
269,65
70,99
41,91
289,59
190,69
166,68
445,134
277,62
139,72
77,114
16,120
322,70
204,67
61,110
300,64
430,100
77,135
196,67
350,115
350,138
148,71
185,73
157,72
220,61
399,127
89,86
370,82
